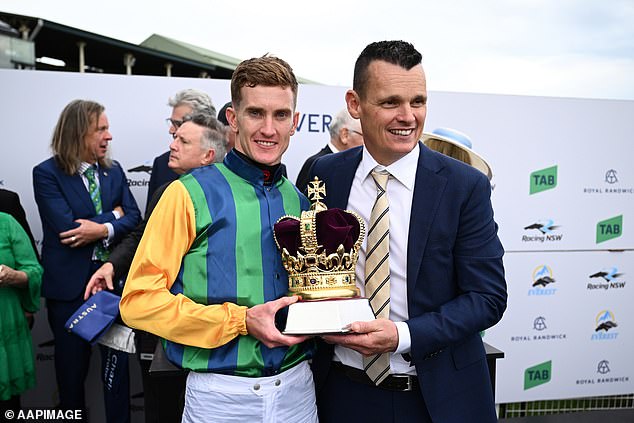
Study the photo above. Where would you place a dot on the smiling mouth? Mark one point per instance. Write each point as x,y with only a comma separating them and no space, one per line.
401,132
265,143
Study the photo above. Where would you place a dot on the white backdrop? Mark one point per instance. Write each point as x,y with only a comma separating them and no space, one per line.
584,145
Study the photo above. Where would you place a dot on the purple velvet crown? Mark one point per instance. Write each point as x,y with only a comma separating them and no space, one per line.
335,227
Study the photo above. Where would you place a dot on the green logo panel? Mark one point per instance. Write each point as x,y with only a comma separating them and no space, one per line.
609,229
537,375
544,179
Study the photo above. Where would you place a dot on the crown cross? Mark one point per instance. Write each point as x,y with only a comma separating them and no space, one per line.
316,189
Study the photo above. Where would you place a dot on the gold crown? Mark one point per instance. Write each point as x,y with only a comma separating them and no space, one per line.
320,249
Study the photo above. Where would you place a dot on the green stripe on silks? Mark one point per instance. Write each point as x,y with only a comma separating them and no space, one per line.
249,287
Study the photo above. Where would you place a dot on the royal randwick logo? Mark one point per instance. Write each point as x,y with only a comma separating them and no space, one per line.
542,180
605,325
609,229
542,281
540,333
610,183
602,374
606,278
537,375
543,230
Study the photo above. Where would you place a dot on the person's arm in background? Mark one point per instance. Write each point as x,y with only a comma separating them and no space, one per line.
120,260
22,270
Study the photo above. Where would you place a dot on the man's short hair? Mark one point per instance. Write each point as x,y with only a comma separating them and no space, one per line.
269,71
399,53
214,135
72,126
199,102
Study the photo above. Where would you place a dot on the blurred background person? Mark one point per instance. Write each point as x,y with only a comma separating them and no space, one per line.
458,145
345,133
185,102
85,206
20,281
222,117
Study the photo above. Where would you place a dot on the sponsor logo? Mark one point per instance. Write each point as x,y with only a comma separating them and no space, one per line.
314,122
537,375
606,278
542,231
605,325
609,229
540,326
611,185
542,277
144,181
543,180
603,375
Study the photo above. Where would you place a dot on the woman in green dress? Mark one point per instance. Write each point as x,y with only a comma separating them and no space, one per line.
20,280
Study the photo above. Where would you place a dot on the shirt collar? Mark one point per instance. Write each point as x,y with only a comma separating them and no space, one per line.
248,171
84,166
403,170
332,147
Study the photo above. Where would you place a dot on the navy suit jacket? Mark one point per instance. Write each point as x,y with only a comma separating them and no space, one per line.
161,174
61,199
455,280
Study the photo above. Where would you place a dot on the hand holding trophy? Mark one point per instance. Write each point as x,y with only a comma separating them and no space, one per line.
320,251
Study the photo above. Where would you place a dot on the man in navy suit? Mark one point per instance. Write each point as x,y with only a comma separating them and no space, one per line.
76,236
445,261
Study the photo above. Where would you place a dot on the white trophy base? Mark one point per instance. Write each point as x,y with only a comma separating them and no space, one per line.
326,316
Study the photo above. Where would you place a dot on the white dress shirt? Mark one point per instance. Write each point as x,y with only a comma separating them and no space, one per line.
400,192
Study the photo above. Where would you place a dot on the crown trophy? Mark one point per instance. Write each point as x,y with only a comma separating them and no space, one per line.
320,251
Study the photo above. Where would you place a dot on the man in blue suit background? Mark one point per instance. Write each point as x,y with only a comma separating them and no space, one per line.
85,206
445,277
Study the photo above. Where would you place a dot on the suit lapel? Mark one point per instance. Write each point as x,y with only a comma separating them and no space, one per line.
76,185
428,191
338,192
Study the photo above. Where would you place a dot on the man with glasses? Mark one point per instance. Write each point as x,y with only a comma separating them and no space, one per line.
345,133
186,102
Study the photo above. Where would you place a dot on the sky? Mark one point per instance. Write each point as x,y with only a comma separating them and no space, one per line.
555,48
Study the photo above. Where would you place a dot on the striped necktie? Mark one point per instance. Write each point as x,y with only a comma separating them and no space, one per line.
377,271
101,253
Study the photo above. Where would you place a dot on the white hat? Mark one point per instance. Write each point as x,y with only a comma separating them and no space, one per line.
461,141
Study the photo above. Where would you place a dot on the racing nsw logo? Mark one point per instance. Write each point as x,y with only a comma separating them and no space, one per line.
541,231
543,180
606,278
542,277
537,375
609,229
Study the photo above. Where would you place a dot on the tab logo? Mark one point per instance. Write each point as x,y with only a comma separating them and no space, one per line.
609,229
543,180
537,375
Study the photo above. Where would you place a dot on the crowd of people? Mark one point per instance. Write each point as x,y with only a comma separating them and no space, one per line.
201,279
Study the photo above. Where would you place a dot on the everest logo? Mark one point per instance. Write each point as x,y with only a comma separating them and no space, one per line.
544,179
537,375
609,229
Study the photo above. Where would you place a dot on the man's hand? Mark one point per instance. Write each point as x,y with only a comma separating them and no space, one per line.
261,323
86,233
100,280
368,338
